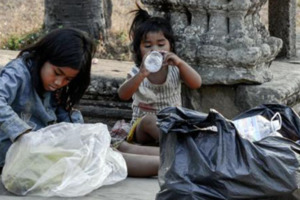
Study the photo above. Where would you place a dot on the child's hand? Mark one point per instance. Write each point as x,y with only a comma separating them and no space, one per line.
171,58
190,77
27,131
143,69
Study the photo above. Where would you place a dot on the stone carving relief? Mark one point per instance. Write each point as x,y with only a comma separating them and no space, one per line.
224,40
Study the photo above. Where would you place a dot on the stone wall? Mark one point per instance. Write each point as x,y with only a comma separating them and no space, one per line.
226,42
101,102
223,40
231,100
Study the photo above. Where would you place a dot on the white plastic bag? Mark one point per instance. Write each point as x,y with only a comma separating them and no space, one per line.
64,159
258,127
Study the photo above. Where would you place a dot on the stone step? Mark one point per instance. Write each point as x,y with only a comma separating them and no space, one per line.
284,87
101,101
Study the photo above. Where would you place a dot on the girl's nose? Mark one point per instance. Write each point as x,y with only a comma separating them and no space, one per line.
154,48
58,81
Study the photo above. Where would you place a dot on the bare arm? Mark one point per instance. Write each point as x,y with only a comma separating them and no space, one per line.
130,86
190,77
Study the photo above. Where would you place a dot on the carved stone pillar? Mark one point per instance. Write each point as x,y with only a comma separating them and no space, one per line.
282,24
224,40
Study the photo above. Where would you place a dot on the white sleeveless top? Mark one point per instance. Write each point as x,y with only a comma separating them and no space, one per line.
151,98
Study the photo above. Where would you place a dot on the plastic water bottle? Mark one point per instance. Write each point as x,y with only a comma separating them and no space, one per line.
258,127
153,61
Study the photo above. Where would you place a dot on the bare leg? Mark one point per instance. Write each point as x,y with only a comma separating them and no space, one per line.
126,147
147,130
141,165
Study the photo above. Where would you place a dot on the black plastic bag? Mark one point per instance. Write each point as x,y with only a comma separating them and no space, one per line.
204,157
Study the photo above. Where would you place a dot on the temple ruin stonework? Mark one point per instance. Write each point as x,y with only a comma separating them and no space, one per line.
225,30
224,40
231,49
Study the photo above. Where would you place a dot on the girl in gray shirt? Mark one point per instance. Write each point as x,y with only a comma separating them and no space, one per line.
41,86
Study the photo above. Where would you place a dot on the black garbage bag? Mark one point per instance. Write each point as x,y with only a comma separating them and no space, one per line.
204,157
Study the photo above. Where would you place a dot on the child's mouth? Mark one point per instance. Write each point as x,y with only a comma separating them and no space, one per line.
51,88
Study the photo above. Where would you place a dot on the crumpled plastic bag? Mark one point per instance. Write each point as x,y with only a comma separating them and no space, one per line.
257,127
120,130
64,159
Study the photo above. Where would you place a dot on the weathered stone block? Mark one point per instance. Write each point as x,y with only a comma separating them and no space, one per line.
223,40
231,100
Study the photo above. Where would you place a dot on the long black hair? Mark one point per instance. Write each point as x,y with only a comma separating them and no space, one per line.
142,24
62,47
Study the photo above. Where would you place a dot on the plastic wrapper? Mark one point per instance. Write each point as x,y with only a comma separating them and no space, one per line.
64,159
120,130
258,127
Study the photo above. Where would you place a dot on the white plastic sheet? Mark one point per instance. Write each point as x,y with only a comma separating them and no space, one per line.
258,127
64,159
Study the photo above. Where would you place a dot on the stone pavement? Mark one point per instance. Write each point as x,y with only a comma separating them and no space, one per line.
129,189
107,68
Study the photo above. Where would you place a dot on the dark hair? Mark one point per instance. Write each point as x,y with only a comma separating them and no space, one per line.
142,24
62,47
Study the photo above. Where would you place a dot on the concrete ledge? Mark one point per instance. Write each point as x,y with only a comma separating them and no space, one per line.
284,88
110,69
231,100
129,189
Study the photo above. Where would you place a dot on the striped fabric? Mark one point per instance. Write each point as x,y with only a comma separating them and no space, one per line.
151,98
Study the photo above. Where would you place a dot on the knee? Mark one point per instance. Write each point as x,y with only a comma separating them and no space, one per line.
149,120
124,147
